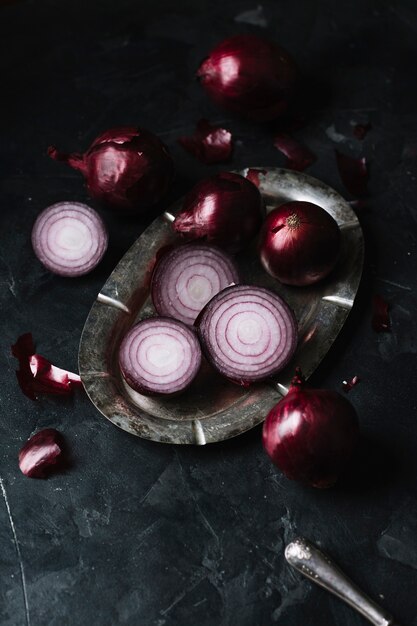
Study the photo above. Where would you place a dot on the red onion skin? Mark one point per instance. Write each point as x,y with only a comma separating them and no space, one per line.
226,210
299,243
41,454
126,168
310,435
249,76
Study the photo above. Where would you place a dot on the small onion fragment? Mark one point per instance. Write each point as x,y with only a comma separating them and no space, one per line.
226,210
381,322
311,434
299,157
354,173
159,356
41,454
69,238
253,175
36,375
299,243
210,144
348,385
249,76
187,277
248,333
361,130
126,168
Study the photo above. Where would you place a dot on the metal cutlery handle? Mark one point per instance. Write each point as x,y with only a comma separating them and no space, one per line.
313,564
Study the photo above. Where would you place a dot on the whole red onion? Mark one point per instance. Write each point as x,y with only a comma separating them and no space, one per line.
310,434
249,76
225,210
299,243
127,168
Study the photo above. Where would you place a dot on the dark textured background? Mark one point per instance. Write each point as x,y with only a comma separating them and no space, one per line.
140,533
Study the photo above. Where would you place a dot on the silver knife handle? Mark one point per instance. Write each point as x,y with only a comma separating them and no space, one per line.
311,562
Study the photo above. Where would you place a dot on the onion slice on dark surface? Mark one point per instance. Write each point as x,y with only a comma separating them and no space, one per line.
299,157
41,454
354,173
36,375
159,356
210,144
187,277
248,333
69,238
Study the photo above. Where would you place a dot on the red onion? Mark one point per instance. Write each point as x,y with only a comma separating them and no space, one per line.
299,243
225,210
210,144
159,356
37,375
310,434
249,76
248,333
127,168
187,277
41,453
69,238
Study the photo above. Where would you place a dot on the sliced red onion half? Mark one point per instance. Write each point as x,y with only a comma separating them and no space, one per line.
69,238
159,356
248,333
187,277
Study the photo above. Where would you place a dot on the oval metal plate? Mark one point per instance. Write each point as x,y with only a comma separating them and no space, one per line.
213,409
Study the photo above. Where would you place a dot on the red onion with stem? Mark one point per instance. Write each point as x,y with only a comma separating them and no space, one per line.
187,277
126,168
249,76
247,333
299,243
69,238
41,453
310,434
225,209
159,356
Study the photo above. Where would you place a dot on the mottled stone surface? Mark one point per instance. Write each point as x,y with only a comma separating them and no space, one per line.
142,533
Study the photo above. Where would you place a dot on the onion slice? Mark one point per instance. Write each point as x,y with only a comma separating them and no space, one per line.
210,144
187,277
248,333
69,238
159,356
41,453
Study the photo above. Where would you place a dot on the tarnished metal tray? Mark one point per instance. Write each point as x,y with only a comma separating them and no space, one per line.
213,409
